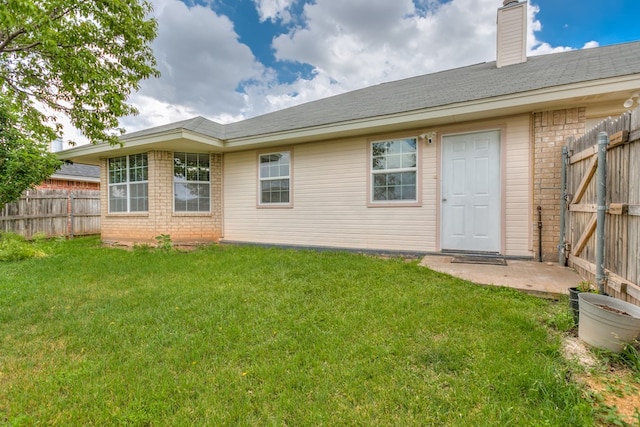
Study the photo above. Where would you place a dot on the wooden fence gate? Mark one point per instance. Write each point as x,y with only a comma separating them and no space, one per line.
53,213
622,218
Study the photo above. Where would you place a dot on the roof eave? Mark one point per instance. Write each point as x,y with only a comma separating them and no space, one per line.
161,141
578,94
556,97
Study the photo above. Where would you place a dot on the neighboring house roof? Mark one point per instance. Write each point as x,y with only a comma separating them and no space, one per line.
78,172
466,93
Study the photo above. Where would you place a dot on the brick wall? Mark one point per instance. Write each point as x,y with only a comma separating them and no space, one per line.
160,218
63,184
551,128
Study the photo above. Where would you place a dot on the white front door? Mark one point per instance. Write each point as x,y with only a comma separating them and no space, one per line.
471,192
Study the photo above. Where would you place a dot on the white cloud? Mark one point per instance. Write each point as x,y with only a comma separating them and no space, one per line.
364,42
349,44
201,60
274,9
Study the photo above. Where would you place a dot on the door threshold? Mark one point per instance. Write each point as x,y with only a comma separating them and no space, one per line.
471,253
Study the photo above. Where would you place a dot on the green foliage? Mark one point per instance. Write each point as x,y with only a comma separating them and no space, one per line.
561,318
14,247
23,163
586,286
228,335
630,356
80,59
164,242
142,247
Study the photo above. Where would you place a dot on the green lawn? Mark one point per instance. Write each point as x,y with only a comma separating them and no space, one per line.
252,336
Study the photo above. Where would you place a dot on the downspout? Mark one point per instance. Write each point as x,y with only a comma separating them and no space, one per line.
562,257
601,193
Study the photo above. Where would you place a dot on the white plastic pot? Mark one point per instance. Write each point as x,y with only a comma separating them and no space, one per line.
604,328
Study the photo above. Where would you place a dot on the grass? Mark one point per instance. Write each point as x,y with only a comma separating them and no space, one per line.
251,336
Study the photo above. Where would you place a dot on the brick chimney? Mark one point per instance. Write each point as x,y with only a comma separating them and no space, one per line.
512,33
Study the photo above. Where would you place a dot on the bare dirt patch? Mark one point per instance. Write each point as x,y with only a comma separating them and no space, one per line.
616,390
576,350
619,391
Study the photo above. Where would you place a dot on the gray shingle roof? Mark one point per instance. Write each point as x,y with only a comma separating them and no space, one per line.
475,82
78,170
197,124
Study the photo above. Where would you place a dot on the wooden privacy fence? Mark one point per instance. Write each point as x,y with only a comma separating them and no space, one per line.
53,213
621,260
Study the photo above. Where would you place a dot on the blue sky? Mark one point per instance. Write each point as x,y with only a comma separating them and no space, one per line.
573,22
233,59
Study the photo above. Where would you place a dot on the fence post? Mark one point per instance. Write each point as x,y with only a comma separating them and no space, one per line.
71,203
601,193
562,258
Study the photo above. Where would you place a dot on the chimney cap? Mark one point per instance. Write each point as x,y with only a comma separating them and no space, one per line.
508,2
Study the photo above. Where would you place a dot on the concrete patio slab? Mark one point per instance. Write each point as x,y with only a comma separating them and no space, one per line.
539,278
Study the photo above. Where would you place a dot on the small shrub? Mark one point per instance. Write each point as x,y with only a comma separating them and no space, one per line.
586,286
164,243
14,247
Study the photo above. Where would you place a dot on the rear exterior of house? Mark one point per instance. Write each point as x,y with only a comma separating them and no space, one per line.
453,161
467,189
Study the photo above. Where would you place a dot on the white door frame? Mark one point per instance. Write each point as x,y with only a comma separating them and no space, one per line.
467,235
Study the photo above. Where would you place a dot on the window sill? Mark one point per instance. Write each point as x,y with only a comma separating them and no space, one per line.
394,205
127,214
275,206
183,214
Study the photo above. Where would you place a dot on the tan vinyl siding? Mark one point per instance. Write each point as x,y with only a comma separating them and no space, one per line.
517,187
330,206
330,195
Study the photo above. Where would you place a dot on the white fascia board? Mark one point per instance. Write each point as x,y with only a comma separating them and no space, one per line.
172,135
553,97
158,140
82,151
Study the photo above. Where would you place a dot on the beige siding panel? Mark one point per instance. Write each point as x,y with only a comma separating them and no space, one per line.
518,187
330,203
330,193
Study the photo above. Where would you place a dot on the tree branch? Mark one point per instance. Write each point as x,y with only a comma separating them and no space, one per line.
20,48
53,15
11,37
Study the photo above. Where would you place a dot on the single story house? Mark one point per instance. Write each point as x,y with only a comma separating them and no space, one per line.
458,160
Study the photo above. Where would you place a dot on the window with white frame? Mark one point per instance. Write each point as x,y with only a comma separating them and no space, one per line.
191,182
394,170
129,183
275,178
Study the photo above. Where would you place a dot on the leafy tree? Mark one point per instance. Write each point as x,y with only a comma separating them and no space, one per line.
78,58
23,163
